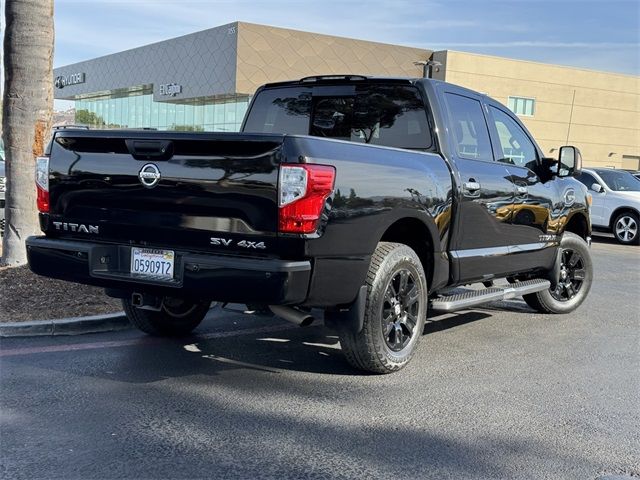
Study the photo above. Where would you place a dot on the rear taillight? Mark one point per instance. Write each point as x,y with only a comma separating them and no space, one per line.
303,190
42,183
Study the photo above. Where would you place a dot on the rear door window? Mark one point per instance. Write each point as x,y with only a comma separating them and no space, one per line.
388,115
469,127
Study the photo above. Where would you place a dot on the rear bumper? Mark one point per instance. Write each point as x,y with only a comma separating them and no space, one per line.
211,277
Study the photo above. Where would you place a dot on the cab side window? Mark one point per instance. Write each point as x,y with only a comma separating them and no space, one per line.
469,127
516,147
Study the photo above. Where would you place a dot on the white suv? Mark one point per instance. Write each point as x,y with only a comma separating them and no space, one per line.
616,202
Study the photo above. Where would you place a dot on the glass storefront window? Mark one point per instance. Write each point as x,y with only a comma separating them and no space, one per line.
241,109
111,113
117,120
162,115
218,113
146,112
139,110
131,117
198,115
179,118
171,115
98,111
155,111
188,116
230,112
124,116
208,114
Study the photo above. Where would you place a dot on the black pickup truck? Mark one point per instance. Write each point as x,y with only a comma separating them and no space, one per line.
372,200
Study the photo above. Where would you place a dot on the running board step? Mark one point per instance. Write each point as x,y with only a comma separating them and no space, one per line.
471,298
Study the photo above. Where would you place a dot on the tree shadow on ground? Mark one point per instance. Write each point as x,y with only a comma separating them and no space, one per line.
254,424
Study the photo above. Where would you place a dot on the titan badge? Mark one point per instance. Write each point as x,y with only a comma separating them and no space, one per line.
76,227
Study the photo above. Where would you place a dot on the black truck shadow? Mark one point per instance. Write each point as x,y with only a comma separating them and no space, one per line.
273,347
314,349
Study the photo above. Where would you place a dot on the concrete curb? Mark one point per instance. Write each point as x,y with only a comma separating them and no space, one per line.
66,326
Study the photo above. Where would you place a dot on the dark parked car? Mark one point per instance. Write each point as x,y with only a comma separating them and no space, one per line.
368,198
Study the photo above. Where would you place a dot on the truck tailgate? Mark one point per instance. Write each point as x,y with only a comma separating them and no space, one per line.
199,191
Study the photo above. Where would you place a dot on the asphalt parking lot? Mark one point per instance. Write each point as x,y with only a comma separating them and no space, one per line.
494,392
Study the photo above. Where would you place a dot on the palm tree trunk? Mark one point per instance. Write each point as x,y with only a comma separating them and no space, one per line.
26,120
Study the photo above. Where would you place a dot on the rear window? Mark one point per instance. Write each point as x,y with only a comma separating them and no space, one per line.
389,115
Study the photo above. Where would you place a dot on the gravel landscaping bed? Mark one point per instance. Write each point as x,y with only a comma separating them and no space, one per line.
26,296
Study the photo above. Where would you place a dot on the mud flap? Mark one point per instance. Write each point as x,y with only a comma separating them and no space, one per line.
554,273
350,317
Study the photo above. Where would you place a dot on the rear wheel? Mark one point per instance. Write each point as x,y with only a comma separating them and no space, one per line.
394,314
175,318
625,228
573,282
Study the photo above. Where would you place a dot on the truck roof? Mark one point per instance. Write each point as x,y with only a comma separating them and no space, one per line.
342,78
354,78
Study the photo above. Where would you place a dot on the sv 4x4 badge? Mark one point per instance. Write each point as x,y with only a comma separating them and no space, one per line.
227,242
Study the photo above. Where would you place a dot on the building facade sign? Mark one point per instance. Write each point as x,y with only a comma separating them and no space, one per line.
62,81
170,89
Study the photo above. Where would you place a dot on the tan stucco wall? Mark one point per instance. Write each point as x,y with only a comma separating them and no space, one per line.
270,54
605,123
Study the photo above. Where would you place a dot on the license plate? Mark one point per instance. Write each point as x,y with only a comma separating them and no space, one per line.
153,263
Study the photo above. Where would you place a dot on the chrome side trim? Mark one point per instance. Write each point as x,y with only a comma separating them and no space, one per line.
501,251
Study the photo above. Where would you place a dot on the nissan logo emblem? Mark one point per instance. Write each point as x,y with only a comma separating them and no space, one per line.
569,197
149,175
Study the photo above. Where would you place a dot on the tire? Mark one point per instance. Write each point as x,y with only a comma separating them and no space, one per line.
626,229
177,317
574,283
395,312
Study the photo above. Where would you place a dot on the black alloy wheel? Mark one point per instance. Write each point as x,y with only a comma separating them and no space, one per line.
572,275
395,311
400,310
575,276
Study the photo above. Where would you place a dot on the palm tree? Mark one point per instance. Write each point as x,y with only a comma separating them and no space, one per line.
26,119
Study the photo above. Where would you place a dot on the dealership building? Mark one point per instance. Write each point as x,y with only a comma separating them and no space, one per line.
204,82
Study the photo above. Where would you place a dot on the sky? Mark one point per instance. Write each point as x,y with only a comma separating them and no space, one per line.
593,34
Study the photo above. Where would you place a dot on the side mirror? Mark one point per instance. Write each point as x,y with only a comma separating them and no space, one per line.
570,162
596,187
